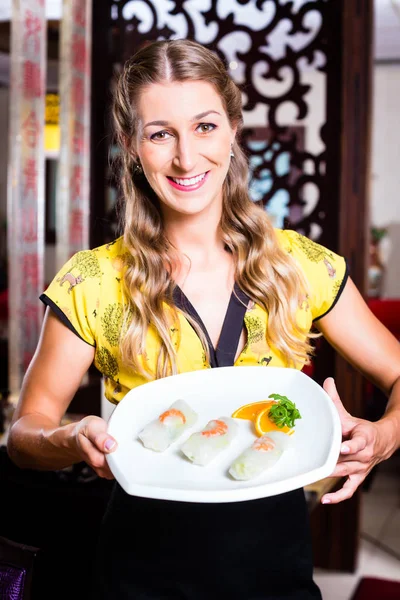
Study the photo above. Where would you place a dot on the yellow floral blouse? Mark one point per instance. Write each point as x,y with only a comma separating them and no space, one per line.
86,295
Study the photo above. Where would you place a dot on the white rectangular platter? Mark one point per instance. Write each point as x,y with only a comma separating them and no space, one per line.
214,393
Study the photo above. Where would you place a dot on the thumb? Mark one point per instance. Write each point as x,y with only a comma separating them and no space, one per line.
330,388
96,432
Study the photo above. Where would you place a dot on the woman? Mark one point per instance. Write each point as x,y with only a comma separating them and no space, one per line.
154,302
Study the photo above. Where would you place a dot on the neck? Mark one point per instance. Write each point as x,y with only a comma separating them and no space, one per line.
196,236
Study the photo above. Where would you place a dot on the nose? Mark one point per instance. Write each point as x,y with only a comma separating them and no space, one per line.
185,154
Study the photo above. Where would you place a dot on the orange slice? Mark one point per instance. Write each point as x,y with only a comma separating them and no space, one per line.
250,411
263,423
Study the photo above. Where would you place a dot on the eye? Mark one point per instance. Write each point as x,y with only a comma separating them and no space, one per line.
206,127
159,136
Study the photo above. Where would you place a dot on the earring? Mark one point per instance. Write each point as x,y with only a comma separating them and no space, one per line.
231,154
137,169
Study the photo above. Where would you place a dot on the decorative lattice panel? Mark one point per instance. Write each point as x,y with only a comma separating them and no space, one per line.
277,51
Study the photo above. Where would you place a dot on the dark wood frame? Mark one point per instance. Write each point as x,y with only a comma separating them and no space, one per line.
102,73
336,529
50,231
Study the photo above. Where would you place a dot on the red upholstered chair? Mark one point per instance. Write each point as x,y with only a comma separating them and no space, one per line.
374,588
387,310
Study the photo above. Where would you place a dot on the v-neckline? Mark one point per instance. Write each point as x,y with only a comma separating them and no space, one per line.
223,355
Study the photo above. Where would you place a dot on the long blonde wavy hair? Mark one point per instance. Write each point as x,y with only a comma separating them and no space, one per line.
263,271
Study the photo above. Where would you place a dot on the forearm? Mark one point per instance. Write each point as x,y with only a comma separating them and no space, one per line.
35,442
390,422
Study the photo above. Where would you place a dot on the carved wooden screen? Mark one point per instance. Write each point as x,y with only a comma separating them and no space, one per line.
278,53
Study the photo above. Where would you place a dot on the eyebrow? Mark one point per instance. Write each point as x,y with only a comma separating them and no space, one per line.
195,118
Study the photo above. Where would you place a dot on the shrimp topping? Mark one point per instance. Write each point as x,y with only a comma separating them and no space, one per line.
264,444
173,412
216,427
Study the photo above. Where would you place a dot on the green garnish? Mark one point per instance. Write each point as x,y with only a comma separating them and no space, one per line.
284,412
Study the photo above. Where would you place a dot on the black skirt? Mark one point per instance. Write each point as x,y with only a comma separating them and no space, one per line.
253,550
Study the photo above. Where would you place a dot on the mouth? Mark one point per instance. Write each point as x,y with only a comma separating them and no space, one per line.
188,184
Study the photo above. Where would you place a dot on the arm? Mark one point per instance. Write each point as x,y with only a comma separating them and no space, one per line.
36,439
352,329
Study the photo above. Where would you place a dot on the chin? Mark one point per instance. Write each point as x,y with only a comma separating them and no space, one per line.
192,210
190,206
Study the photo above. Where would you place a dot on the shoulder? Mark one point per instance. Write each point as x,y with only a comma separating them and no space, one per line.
283,237
307,252
82,275
292,241
85,288
103,260
111,250
325,271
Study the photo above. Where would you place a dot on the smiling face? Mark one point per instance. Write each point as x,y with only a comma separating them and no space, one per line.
183,143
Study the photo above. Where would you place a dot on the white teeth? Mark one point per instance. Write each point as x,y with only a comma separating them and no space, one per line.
186,182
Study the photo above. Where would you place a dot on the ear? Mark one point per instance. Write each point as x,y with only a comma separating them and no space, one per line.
129,147
234,130
133,154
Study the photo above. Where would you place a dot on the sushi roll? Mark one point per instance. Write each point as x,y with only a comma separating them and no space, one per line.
159,434
262,455
205,445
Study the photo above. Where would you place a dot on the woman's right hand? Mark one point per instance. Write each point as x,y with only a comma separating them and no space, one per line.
93,444
36,439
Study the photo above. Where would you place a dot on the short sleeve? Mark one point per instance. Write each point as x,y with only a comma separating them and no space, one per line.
326,272
74,294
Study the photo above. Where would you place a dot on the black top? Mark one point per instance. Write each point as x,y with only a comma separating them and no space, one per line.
168,550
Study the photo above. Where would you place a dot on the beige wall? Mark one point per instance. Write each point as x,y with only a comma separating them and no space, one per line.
385,168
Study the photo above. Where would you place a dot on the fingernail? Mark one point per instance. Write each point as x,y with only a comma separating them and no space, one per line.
345,449
326,501
109,444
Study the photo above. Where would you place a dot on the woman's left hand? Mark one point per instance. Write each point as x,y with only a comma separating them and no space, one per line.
364,446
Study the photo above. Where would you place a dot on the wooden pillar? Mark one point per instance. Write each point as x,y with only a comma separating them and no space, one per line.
336,528
72,215
25,201
100,143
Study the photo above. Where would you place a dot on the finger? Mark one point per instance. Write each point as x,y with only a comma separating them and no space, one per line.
105,442
105,472
356,444
96,459
346,468
96,433
349,487
346,420
91,454
330,388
